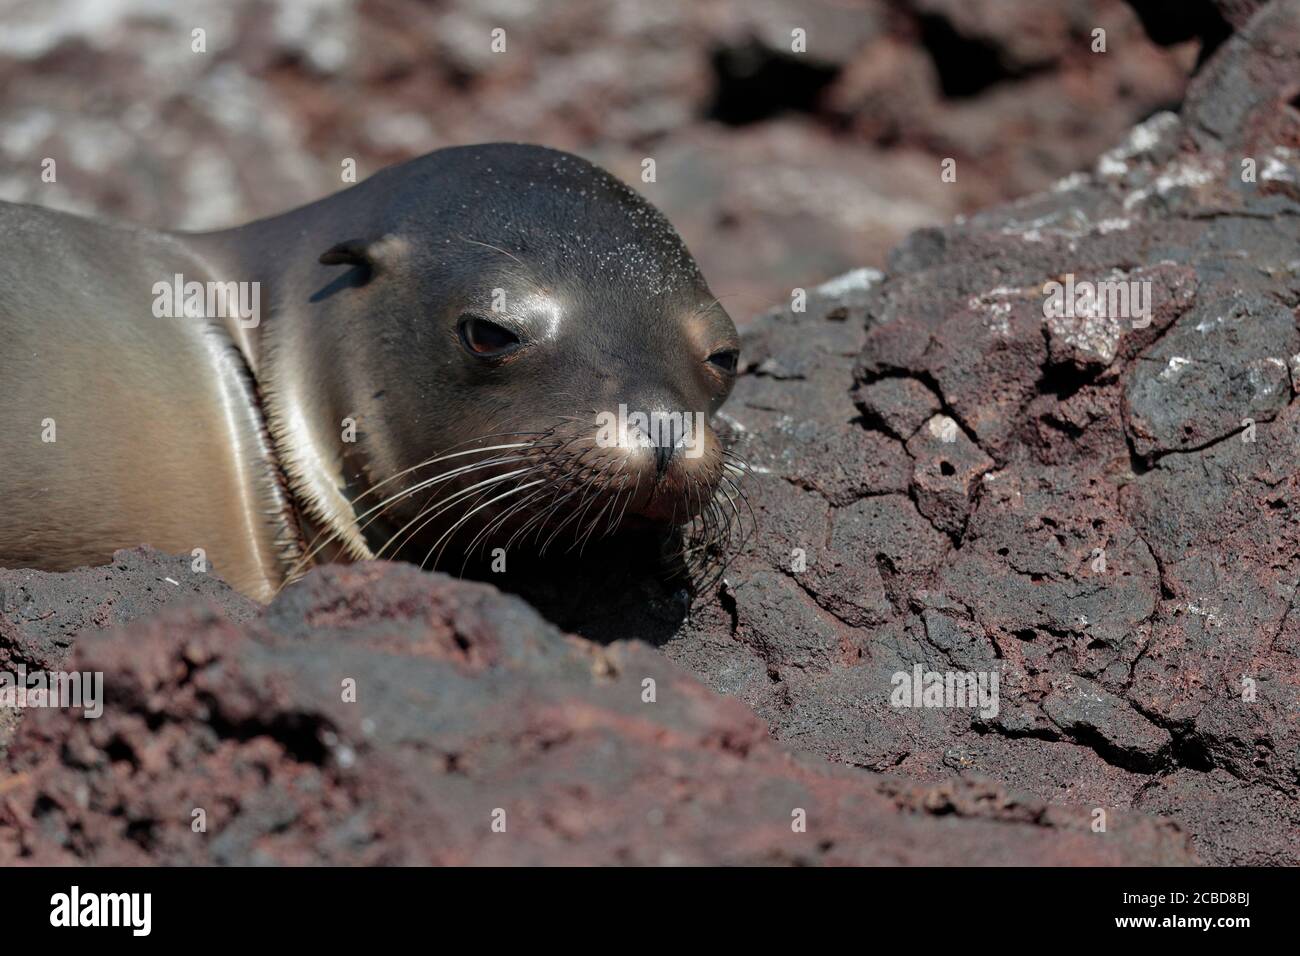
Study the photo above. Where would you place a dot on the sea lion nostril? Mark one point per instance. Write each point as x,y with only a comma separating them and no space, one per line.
663,457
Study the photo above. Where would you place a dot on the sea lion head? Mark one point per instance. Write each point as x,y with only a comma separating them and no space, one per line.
541,359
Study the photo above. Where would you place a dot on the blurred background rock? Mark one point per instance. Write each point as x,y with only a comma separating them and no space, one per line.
779,169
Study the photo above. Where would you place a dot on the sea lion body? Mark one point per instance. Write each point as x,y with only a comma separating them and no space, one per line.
120,427
497,290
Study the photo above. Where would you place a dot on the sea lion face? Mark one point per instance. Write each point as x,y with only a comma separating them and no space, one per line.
552,360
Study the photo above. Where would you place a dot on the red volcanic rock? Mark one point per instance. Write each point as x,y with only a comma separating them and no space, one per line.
779,168
375,714
41,614
1115,533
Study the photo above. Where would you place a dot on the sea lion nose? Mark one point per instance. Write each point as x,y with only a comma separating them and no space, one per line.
670,436
663,434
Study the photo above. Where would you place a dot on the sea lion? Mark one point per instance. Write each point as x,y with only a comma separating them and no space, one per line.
464,350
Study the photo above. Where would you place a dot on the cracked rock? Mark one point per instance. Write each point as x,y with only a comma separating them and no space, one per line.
900,405
476,733
1182,393
1132,556
1128,565
1087,712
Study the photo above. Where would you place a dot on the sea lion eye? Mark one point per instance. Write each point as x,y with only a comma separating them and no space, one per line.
726,360
484,338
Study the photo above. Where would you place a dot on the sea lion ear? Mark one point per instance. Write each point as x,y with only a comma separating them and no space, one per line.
351,252
374,255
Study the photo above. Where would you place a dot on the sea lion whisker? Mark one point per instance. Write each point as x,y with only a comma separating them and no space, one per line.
445,455
434,480
590,493
488,245
417,487
491,527
545,545
524,526
381,507
538,518
601,484
752,527
445,539
443,476
595,521
443,504
631,495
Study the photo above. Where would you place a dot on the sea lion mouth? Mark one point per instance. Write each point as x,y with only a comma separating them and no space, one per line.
553,489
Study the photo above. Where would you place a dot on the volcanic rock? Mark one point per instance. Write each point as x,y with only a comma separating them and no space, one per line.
375,714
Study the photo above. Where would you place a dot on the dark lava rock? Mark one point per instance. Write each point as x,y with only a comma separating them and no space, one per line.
376,714
948,470
1087,713
41,614
779,168
1179,394
898,406
1111,528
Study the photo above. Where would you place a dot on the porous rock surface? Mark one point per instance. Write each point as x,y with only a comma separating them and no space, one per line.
1114,524
779,168
42,614
477,733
